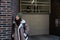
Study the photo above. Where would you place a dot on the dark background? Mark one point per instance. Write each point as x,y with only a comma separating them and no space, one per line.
55,15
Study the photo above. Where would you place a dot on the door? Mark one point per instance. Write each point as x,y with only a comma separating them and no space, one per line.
55,18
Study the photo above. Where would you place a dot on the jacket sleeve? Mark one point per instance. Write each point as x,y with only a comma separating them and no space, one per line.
26,28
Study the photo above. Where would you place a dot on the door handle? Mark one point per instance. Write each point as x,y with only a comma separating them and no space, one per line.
56,22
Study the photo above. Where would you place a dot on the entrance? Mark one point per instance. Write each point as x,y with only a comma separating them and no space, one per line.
55,18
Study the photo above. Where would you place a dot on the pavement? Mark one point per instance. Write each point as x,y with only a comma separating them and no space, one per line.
44,37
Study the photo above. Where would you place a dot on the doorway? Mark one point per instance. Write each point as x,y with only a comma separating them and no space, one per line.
55,18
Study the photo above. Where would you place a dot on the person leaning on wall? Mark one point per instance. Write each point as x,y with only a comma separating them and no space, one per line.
21,28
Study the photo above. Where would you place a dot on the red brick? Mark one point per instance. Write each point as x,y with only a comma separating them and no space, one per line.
5,19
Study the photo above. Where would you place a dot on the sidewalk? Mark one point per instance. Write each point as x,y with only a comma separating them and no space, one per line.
44,37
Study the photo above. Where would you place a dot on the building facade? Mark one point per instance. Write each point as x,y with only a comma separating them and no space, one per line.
36,15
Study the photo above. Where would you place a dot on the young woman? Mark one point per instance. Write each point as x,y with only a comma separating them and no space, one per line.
22,27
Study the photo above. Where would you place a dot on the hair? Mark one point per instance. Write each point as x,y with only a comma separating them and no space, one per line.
18,21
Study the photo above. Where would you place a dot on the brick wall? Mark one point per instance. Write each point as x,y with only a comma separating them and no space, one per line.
5,19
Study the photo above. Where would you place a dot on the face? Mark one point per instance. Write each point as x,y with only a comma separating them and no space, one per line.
17,17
